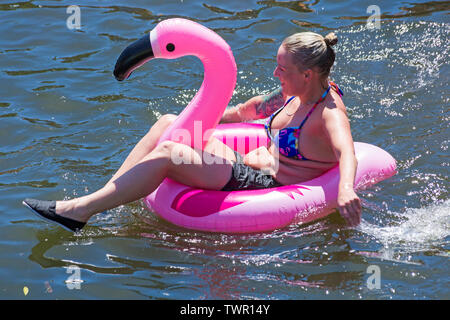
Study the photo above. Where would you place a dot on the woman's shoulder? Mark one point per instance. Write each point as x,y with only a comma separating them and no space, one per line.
333,107
334,99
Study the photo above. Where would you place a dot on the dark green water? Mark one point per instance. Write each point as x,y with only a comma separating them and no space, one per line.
66,125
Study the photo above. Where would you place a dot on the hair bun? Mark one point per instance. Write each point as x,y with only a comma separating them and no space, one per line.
331,39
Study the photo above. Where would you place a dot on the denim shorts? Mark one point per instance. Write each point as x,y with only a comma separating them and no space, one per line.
244,177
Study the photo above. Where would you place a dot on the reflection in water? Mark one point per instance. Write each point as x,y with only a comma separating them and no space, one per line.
310,25
426,8
298,6
234,15
138,13
315,259
31,72
18,6
237,265
222,282
49,239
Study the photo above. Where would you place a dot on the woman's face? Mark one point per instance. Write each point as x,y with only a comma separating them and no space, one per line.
292,80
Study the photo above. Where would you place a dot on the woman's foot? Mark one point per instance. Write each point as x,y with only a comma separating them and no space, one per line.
47,210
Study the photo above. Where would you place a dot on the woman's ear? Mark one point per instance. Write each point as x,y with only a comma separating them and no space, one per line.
308,74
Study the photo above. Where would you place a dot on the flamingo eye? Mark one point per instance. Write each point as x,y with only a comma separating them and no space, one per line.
170,47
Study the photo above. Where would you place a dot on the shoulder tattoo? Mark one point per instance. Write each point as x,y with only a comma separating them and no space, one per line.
271,103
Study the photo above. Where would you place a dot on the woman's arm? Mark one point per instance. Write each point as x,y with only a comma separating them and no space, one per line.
258,107
337,127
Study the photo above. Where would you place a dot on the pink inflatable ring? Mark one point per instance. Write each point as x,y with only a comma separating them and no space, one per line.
232,211
265,209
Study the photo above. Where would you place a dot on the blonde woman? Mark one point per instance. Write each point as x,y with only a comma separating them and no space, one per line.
307,121
307,124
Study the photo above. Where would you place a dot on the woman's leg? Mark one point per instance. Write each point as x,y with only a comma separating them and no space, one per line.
145,145
145,176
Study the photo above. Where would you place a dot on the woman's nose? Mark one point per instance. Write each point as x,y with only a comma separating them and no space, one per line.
275,72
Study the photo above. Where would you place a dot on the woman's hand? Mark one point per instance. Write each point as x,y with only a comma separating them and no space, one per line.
349,205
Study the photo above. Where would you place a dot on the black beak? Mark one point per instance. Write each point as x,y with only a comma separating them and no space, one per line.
135,55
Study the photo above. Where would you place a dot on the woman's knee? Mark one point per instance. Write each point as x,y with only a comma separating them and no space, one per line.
166,120
161,125
178,153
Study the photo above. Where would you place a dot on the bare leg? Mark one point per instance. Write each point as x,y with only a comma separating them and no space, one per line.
146,175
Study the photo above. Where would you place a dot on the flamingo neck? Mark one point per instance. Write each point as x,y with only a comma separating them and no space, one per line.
196,122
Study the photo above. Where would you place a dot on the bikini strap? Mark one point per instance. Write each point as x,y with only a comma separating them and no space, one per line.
315,105
331,84
336,88
286,103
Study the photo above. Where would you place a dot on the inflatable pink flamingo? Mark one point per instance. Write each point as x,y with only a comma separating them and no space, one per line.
232,211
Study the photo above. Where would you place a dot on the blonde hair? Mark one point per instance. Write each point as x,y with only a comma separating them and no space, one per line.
312,51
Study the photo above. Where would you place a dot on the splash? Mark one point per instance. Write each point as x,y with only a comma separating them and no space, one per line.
418,229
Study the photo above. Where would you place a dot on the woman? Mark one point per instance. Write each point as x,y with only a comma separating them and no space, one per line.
306,114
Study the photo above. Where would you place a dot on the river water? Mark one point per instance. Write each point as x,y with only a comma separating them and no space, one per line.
66,125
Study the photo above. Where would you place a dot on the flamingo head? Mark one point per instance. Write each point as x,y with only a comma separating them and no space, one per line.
171,39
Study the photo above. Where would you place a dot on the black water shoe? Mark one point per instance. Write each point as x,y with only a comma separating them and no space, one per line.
46,210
